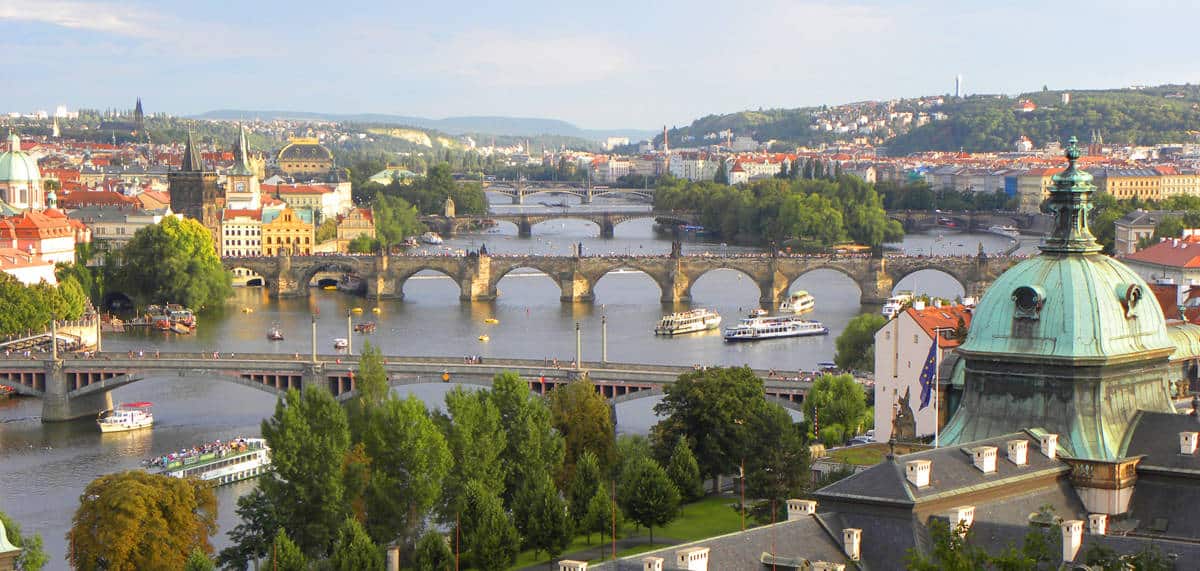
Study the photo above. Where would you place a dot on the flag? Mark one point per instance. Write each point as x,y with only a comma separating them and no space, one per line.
928,372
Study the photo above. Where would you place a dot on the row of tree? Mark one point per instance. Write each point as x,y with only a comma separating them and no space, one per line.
30,308
918,195
802,214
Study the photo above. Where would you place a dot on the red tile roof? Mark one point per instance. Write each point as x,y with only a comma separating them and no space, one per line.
1174,253
932,319
97,198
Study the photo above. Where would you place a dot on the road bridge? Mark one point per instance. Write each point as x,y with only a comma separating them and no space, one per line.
478,275
919,220
517,190
76,387
607,221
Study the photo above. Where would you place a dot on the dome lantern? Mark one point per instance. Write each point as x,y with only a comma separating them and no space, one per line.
1070,202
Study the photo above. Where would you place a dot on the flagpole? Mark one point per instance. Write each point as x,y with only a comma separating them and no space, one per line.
937,401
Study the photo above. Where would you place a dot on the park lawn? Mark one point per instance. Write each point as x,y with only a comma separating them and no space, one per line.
705,518
871,454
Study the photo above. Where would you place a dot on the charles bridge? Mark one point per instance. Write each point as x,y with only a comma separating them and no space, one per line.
517,190
478,275
76,387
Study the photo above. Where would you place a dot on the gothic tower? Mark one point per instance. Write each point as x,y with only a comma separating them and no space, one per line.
193,189
139,118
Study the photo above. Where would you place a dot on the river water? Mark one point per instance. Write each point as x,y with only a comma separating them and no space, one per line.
44,467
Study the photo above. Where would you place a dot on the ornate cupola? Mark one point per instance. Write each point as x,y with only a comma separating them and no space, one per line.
1066,341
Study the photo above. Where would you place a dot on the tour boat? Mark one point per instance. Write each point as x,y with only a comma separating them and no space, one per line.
341,343
128,416
688,322
217,462
756,327
485,338
275,333
431,238
1009,231
895,304
799,302
364,327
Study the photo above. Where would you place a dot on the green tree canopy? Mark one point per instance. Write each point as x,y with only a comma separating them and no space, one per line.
173,261
837,400
33,556
489,538
433,553
856,344
685,472
647,495
354,550
532,446
583,483
137,520
309,439
584,419
599,515
395,219
778,468
544,512
198,561
252,537
285,555
476,440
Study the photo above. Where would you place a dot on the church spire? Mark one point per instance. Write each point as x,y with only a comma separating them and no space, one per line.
191,156
1070,202
241,152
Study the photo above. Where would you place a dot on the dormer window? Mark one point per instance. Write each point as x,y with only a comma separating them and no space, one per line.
1028,301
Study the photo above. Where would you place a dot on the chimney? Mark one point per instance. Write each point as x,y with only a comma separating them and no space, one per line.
1018,452
570,565
797,509
917,472
918,304
652,563
1187,443
963,516
692,559
1049,443
852,542
1072,539
393,558
1098,524
984,458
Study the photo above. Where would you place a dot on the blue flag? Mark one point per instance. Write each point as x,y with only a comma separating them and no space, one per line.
928,372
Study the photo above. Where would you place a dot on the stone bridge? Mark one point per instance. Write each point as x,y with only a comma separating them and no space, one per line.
75,387
918,220
519,189
478,276
607,221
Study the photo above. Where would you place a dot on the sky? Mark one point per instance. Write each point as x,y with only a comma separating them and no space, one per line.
605,65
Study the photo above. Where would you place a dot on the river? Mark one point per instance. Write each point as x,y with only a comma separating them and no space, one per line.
44,467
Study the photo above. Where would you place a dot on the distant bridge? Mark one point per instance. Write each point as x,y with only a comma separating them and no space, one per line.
919,220
519,189
607,221
77,387
478,276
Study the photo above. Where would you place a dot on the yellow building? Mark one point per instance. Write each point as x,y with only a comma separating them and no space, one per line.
304,157
1123,184
1176,183
289,230
357,222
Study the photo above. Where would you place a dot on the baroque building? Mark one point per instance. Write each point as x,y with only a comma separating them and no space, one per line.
20,179
304,157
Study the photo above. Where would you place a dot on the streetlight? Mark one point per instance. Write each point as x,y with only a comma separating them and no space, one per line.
314,338
349,334
604,339
578,345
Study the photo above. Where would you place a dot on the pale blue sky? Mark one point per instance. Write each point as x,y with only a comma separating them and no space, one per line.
639,63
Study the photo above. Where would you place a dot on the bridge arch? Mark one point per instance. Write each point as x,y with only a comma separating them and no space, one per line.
544,274
306,273
743,274
633,269
402,278
899,277
794,281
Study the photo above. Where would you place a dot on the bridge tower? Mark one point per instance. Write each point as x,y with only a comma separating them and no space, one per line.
57,403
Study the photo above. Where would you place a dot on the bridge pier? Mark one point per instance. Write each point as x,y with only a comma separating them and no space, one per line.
607,228
380,286
524,228
575,287
587,196
313,377
476,278
679,289
57,403
877,284
518,198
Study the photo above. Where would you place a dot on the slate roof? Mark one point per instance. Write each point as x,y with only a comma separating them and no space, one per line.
1156,436
804,538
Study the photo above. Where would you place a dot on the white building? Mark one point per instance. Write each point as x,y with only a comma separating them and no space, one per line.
695,166
241,233
903,348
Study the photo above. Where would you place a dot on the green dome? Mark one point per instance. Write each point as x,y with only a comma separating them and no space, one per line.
16,165
1076,307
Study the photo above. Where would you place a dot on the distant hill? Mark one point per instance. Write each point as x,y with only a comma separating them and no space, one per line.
515,126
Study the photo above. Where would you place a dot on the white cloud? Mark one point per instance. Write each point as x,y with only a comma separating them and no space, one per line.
101,17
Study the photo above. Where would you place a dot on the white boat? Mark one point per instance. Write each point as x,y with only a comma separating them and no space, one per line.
756,327
218,462
431,238
341,343
1009,231
895,304
688,322
798,303
127,416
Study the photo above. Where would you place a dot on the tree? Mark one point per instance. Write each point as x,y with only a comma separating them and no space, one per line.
583,483
363,244
395,219
371,378
33,556
545,514
685,472
488,535
856,344
173,261
721,177
433,553
647,495
598,517
532,446
777,469
285,555
252,537
410,463
137,520
354,550
584,419
327,230
1148,559
198,561
309,438
836,402
711,408
952,550
476,440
